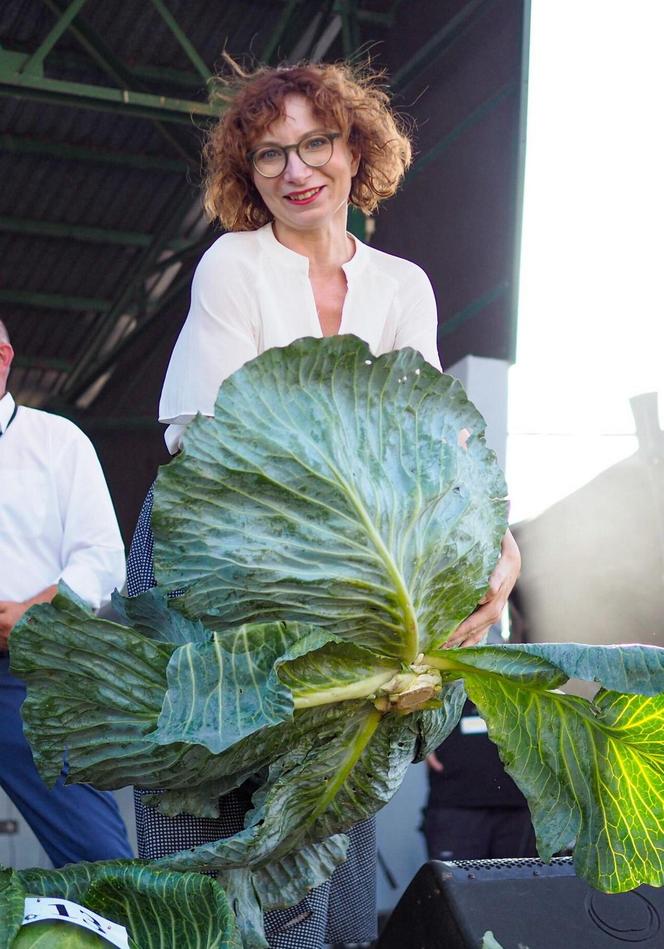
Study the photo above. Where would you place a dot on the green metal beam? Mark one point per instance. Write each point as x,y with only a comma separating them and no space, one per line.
54,301
101,54
77,232
374,16
272,44
85,234
176,77
350,39
95,47
379,17
71,58
182,39
484,109
474,308
36,62
439,42
105,98
30,146
43,363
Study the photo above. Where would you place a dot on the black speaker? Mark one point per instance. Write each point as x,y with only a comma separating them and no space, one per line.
525,903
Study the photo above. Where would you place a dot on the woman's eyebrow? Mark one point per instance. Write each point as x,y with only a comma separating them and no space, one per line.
271,141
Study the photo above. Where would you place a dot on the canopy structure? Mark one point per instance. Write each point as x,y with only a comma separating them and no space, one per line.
103,109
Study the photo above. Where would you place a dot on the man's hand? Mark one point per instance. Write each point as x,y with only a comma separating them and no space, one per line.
434,762
491,606
11,611
10,614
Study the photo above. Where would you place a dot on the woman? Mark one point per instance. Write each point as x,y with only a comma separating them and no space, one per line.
292,148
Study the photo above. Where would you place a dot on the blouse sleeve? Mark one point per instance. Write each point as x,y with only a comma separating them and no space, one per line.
219,335
418,324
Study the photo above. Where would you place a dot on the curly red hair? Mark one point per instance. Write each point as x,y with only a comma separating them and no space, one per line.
341,96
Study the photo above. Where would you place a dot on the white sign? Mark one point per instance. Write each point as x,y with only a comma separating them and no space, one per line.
473,725
39,909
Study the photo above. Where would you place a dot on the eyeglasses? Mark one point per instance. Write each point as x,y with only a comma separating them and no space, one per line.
314,150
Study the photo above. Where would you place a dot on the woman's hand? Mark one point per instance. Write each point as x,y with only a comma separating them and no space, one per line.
491,606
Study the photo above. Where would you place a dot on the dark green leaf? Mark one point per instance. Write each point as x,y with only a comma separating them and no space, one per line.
279,884
152,615
12,903
222,691
95,687
330,489
160,909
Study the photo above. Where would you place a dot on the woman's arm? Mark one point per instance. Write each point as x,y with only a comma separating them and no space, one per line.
418,328
418,321
474,627
220,334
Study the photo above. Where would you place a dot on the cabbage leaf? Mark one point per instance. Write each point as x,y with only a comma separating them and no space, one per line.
328,534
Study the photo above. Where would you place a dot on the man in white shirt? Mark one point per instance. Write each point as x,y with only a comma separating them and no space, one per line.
56,523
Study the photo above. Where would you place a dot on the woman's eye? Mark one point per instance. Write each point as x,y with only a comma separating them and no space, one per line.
312,144
268,154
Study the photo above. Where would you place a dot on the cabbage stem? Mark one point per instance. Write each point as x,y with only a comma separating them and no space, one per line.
440,662
361,689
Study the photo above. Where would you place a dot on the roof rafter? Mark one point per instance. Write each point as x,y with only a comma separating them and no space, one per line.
144,105
54,301
21,145
80,232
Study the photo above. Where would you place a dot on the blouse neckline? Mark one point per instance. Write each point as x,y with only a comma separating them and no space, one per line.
291,258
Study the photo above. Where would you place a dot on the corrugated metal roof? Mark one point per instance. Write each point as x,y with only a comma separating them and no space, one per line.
88,192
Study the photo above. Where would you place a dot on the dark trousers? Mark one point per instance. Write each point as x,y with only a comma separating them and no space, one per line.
72,823
478,833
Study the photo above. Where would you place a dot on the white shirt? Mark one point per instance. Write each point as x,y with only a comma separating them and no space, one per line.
56,516
250,293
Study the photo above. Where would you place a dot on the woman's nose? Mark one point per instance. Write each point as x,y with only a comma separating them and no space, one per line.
296,170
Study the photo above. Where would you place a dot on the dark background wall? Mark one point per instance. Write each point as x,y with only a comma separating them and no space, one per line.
96,193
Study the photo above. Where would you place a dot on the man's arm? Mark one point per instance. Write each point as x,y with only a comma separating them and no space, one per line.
11,612
92,552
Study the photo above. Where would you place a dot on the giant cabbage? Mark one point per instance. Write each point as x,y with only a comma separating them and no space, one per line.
325,533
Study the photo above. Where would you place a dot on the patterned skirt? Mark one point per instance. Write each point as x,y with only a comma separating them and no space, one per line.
341,910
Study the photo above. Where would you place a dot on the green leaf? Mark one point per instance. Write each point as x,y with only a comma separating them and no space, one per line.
222,691
631,668
162,909
592,772
94,687
435,725
331,780
279,884
336,672
330,489
152,615
159,909
97,689
12,903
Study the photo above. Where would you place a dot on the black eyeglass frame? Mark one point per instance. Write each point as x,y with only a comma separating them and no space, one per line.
331,136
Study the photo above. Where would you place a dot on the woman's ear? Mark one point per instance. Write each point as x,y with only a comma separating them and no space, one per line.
355,163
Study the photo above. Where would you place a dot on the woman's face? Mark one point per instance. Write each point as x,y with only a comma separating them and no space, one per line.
302,197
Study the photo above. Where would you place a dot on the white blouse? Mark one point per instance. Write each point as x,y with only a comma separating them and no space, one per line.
250,293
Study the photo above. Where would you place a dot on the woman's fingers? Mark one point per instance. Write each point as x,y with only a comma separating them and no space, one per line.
491,606
477,625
